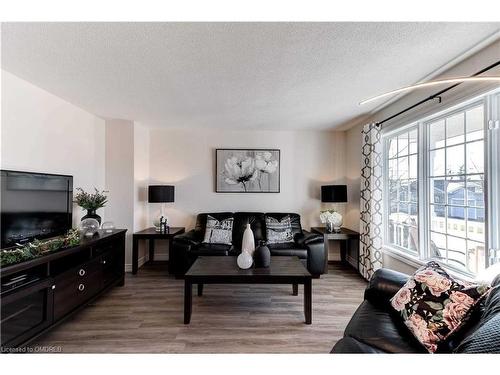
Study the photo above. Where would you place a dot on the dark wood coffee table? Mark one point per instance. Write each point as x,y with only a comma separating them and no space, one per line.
224,270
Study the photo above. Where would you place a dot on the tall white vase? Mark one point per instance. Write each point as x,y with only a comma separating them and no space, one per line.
248,243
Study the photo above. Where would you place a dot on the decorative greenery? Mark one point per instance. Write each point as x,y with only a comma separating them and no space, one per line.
89,201
38,248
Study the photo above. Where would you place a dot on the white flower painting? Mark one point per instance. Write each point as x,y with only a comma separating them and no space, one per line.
247,171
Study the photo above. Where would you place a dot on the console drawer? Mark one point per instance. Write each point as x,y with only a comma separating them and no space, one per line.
76,286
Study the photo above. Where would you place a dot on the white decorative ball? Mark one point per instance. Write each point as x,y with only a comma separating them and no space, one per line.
244,260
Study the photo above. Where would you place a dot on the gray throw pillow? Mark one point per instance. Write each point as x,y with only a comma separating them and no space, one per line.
279,231
220,232
483,340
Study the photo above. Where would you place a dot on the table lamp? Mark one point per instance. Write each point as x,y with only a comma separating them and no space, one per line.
333,194
161,194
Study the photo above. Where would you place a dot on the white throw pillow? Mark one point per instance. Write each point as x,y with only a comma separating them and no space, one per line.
220,232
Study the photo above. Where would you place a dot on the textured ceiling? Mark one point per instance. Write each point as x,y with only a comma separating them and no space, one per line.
231,75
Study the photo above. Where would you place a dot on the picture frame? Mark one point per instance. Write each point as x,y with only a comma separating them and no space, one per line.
247,170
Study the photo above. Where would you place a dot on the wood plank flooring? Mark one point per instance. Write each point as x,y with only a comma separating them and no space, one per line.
146,316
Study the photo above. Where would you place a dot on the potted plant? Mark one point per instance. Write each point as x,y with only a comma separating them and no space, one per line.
91,202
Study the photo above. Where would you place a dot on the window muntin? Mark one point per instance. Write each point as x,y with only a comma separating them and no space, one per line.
456,189
402,190
466,188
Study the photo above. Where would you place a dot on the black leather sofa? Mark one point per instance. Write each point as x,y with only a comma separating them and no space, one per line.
307,246
375,328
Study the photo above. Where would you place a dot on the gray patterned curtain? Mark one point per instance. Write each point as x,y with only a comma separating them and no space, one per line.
370,247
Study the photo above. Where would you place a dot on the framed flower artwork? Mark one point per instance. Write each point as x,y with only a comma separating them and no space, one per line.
247,170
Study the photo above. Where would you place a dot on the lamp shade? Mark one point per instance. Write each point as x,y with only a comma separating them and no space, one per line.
161,193
334,193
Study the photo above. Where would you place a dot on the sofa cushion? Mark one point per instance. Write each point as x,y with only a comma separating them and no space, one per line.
256,221
349,345
212,249
288,251
434,305
219,232
279,230
380,329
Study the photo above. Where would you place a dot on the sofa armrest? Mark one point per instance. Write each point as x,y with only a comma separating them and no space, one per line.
383,285
306,238
182,246
191,237
316,252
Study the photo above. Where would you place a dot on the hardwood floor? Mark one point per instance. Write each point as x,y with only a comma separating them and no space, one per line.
146,316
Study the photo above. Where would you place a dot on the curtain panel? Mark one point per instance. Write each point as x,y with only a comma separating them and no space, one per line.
371,225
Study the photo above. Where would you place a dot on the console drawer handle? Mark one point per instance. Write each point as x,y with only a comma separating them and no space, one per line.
81,287
81,272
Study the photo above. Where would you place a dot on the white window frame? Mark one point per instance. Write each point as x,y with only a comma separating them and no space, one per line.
491,103
459,108
386,207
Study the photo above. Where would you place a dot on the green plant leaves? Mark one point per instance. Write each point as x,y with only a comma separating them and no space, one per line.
434,305
438,316
38,248
91,201
404,314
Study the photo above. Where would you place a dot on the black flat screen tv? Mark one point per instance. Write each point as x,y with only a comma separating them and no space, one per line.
34,206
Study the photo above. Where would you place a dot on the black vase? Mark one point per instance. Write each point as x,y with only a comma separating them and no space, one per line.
262,256
92,215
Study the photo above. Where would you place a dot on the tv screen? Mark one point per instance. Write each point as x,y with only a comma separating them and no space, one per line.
34,206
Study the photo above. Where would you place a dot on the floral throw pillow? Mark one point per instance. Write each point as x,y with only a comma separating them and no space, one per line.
434,305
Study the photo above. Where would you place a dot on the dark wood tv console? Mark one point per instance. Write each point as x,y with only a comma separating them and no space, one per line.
57,285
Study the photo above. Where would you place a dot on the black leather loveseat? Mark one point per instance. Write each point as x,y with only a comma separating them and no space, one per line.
374,328
307,246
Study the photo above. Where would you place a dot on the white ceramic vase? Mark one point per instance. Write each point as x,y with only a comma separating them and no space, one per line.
248,243
244,260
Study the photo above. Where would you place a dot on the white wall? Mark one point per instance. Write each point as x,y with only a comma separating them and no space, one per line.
42,133
141,182
186,159
120,178
353,176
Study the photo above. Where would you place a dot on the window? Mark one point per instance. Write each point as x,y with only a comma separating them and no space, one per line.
402,190
441,174
456,188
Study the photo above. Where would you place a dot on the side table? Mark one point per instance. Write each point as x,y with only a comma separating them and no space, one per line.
349,243
151,235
